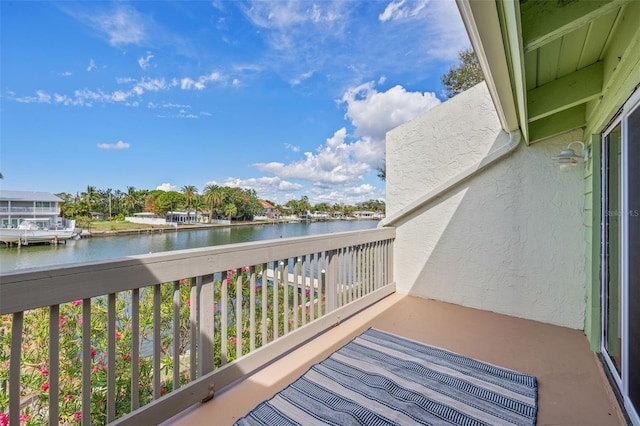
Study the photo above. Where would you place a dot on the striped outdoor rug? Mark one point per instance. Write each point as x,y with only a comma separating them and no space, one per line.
383,379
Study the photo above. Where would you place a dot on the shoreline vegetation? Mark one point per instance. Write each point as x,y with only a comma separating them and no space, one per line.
108,228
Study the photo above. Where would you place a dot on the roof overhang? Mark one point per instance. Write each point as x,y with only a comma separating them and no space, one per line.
558,65
482,22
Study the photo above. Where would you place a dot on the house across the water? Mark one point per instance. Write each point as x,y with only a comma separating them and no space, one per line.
18,205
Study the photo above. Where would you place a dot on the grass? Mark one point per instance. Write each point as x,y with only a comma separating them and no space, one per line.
110,225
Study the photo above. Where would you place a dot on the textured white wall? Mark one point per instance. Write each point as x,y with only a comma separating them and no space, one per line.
510,239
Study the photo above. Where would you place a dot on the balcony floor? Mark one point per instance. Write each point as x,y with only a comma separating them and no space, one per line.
572,389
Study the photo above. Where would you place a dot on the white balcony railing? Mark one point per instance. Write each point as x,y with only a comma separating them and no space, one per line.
103,342
34,210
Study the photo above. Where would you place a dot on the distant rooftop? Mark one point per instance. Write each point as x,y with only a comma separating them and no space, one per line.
27,196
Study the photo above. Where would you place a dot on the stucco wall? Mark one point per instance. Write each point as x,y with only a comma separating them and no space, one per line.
510,239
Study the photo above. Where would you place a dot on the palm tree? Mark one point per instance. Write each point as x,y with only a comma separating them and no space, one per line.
189,192
213,196
230,210
89,197
130,200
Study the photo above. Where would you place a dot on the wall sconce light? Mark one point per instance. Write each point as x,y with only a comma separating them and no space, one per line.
568,157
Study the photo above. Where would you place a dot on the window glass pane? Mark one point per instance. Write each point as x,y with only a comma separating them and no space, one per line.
612,292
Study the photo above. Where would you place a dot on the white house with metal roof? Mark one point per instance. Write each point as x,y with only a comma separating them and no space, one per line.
18,205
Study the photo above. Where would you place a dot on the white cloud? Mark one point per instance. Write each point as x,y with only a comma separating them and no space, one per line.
167,187
144,62
332,164
92,65
292,147
40,98
350,195
66,74
262,185
374,113
123,25
344,160
188,83
397,10
116,146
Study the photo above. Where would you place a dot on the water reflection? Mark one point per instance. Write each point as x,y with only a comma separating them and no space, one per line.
92,249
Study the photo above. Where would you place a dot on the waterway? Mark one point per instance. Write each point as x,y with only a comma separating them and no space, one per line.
101,248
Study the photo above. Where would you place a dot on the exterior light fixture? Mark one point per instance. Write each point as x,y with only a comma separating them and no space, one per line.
568,157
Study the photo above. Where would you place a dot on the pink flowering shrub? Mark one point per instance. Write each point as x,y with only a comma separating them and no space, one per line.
35,370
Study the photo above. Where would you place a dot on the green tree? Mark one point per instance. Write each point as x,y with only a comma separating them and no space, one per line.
131,200
464,75
168,201
229,210
190,192
89,198
213,197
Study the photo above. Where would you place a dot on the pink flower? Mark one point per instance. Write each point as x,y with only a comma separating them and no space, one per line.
188,303
183,281
61,321
45,386
95,368
245,269
229,279
77,415
80,321
76,302
24,418
118,335
68,398
4,419
233,340
127,356
93,353
44,372
163,391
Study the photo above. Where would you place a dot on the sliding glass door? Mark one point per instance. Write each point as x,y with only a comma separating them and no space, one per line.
621,253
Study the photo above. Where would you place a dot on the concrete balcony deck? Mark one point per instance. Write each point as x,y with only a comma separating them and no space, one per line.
572,387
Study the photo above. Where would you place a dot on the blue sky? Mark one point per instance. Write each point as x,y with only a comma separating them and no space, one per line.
289,98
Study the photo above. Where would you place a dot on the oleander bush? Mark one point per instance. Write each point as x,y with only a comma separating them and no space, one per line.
34,384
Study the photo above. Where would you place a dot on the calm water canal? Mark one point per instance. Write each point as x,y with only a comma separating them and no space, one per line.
90,249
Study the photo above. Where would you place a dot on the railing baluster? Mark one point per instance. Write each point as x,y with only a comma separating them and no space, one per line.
176,334
54,364
238,313
135,349
354,272
285,284
265,287
86,362
111,357
206,324
331,280
304,289
15,368
296,305
321,286
193,330
224,322
277,274
370,266
313,288
157,344
252,308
